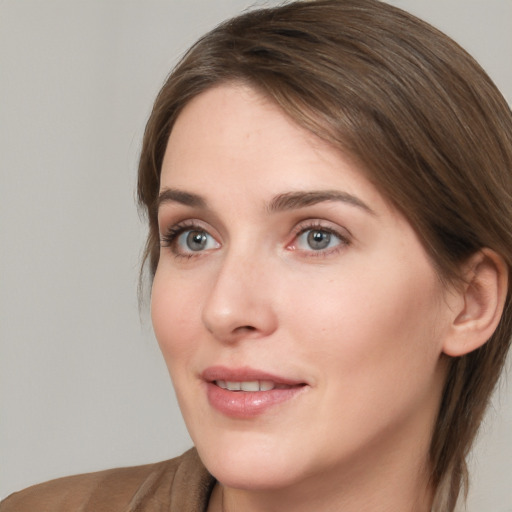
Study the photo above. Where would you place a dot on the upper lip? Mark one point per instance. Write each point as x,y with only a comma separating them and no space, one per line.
245,374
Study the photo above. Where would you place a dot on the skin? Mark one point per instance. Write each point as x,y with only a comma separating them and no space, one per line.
362,322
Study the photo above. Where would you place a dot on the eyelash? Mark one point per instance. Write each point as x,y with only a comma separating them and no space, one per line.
170,237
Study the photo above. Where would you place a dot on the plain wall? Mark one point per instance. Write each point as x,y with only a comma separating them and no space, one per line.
82,384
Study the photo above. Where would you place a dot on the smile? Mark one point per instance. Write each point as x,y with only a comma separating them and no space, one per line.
245,393
250,385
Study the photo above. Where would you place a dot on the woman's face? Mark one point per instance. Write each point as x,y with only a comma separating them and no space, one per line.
299,315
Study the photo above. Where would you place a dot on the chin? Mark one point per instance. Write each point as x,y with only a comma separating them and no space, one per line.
254,463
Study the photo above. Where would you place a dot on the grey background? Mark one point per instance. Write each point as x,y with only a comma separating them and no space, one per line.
82,384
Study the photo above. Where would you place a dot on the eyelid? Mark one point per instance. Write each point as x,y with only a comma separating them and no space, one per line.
324,224
176,213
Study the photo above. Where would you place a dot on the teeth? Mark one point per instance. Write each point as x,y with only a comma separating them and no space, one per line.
266,385
251,385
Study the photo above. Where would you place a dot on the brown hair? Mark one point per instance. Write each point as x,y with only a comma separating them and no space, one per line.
425,122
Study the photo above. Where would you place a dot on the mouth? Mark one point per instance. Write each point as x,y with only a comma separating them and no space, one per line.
252,385
245,393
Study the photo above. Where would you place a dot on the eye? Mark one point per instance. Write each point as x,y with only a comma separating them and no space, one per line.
188,240
195,240
318,239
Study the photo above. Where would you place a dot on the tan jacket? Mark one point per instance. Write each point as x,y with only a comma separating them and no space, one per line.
178,485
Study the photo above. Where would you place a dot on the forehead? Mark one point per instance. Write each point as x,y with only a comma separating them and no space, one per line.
237,121
234,135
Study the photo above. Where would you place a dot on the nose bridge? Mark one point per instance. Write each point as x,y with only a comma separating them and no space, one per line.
240,301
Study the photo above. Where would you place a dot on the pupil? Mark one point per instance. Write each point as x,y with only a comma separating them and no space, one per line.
196,240
318,239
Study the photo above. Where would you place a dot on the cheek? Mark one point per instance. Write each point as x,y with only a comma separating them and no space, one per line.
172,309
379,323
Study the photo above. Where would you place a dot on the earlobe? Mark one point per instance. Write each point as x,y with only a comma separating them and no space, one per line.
483,294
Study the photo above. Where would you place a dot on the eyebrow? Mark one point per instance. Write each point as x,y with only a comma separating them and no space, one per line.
296,200
171,195
280,203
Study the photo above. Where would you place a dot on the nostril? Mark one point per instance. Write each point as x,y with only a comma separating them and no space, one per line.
243,330
246,328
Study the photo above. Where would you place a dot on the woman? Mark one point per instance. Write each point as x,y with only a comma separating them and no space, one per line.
328,192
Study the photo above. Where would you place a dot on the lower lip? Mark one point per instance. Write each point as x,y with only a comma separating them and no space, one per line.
248,404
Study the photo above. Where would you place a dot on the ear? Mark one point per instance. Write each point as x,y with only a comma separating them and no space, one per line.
483,299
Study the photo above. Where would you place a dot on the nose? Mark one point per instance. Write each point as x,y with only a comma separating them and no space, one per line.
239,304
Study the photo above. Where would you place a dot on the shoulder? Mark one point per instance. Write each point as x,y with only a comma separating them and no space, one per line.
180,484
